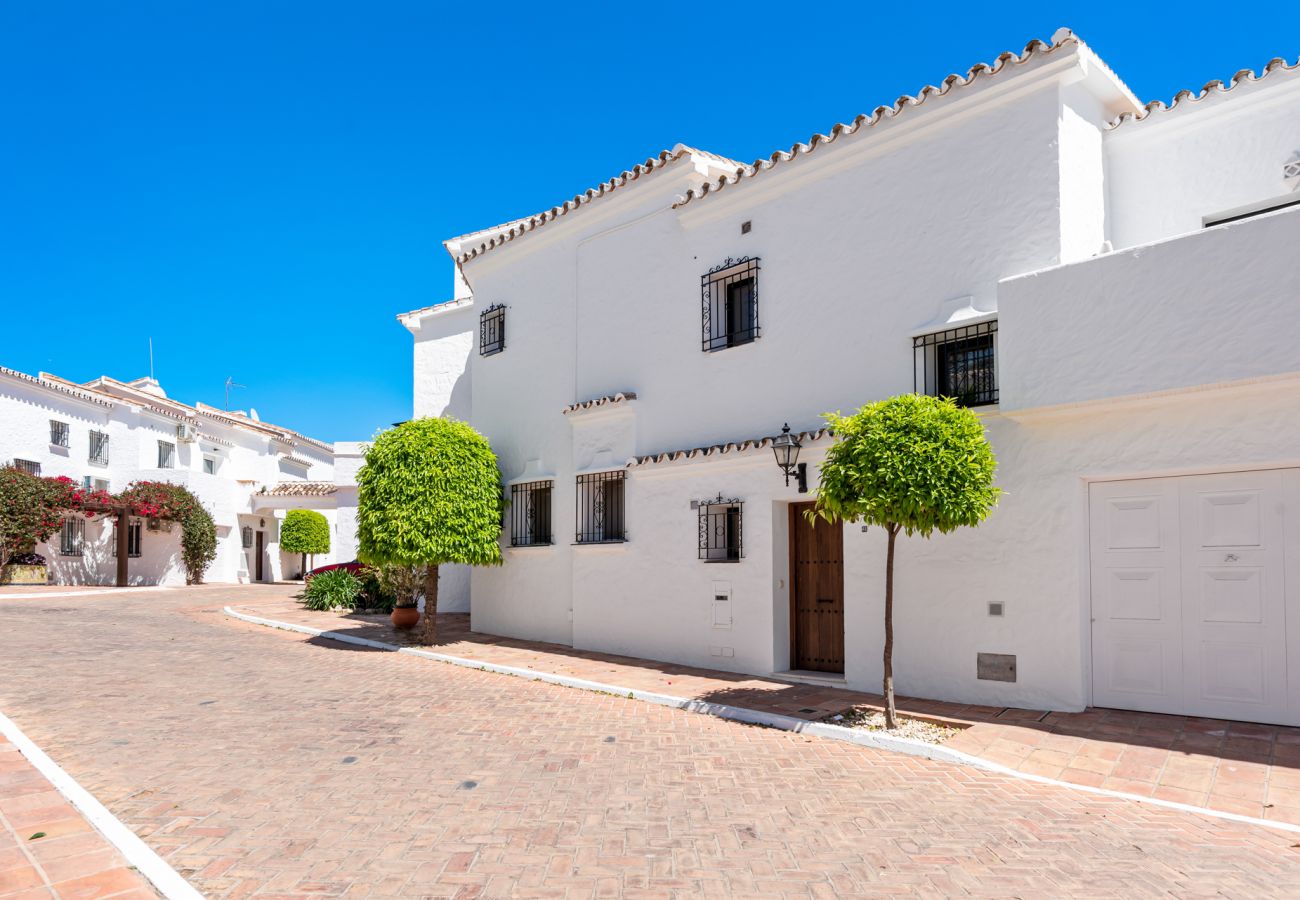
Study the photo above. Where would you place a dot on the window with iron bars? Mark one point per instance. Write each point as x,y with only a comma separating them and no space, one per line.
246,536
99,448
72,537
729,304
492,330
960,363
134,537
720,530
601,508
58,433
166,455
530,514
28,466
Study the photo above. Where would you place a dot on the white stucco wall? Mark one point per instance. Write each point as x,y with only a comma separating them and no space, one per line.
1204,158
248,459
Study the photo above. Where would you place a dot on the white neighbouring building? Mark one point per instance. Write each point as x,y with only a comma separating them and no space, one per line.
1112,286
108,433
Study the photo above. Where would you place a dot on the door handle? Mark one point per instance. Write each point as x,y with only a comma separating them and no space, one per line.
825,599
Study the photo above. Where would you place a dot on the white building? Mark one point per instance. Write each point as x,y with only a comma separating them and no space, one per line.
1111,285
108,433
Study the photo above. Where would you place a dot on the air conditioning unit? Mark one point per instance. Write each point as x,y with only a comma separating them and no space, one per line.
186,432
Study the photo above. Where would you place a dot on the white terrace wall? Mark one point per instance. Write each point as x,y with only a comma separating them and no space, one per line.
1204,158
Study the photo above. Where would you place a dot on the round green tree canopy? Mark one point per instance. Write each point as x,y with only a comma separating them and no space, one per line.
919,462
429,493
305,531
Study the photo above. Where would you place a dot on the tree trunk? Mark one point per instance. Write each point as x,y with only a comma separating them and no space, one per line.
430,633
891,716
304,567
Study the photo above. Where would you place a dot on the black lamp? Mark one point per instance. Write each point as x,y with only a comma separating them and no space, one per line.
786,447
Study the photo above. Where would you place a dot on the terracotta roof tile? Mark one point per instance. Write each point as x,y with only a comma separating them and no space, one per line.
620,397
298,489
1216,88
804,437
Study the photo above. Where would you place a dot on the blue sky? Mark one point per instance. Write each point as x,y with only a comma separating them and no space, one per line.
260,187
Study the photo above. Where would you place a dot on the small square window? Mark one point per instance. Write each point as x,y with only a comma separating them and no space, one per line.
246,536
29,466
134,539
492,330
210,465
58,433
530,514
99,448
601,508
72,536
729,304
746,227
959,363
166,455
720,530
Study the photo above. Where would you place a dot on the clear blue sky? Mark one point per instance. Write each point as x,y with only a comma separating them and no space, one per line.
262,186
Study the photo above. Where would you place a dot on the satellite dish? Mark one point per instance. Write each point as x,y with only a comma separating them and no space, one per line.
252,414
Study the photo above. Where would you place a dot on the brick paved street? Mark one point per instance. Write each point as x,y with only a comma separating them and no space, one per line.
258,761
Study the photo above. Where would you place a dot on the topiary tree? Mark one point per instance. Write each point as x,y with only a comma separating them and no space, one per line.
913,464
305,531
429,493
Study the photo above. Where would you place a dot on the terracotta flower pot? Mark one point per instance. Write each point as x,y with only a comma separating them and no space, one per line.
404,617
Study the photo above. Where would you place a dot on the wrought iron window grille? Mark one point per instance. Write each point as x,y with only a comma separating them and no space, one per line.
960,363
72,537
530,514
246,536
166,455
729,304
31,467
99,448
721,534
58,433
492,330
134,538
601,508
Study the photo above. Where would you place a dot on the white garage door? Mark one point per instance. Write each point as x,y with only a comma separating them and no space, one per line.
1190,610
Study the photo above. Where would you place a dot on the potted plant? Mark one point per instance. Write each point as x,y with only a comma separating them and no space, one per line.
24,568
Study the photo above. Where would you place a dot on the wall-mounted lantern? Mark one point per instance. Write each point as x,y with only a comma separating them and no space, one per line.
786,447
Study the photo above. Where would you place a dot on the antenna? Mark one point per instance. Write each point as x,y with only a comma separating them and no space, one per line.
151,358
230,383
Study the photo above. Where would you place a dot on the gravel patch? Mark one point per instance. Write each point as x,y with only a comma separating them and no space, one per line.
869,719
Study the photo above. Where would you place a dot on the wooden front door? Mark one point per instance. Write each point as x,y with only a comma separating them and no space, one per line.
259,552
816,593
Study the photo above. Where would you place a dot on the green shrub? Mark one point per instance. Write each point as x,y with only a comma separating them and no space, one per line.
374,595
335,589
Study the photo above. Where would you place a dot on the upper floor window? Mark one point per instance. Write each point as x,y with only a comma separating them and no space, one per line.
210,465
166,455
729,304
134,537
28,466
530,514
58,433
492,330
601,508
99,448
72,537
720,531
960,363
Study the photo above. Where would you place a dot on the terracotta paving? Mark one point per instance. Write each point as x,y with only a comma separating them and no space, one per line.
265,763
1234,767
47,849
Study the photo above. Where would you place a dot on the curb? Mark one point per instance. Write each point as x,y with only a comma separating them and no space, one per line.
936,752
152,866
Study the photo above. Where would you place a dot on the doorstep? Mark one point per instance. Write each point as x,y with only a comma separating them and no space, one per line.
807,676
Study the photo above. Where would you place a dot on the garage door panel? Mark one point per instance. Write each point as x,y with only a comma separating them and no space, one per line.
1229,519
1232,673
1193,618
